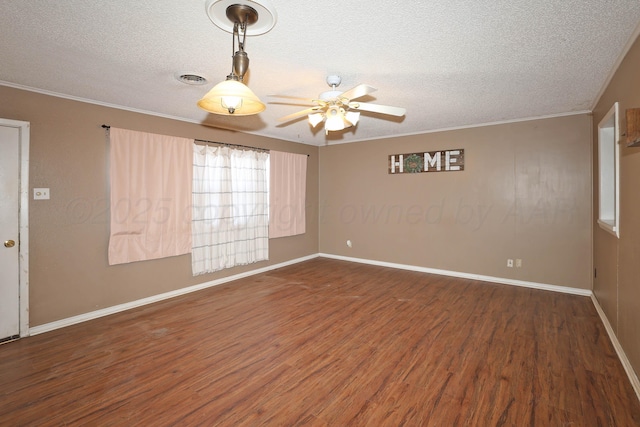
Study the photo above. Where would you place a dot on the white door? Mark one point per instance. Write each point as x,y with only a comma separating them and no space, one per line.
9,232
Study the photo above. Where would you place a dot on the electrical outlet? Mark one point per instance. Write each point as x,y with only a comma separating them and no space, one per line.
518,263
509,263
349,243
40,194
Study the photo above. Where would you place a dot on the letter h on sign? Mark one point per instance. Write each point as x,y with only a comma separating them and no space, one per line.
396,165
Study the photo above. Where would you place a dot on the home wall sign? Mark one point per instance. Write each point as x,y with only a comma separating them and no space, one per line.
430,161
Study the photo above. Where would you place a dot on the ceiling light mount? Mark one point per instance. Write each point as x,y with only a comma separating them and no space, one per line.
242,13
219,10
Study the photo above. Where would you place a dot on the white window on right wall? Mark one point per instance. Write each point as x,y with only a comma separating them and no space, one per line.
609,172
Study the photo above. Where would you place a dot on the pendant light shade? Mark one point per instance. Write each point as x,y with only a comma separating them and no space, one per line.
231,97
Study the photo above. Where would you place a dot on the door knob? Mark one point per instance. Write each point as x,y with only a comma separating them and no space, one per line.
9,243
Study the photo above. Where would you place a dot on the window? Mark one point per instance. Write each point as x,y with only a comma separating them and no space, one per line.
230,208
608,172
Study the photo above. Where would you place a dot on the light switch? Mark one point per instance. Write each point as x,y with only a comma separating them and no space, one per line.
40,194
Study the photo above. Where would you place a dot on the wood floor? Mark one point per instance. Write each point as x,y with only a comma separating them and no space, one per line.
327,343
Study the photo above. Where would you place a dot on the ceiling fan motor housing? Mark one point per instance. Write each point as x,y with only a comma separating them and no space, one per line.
332,81
329,95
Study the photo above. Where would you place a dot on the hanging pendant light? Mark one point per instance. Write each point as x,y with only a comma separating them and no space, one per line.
232,96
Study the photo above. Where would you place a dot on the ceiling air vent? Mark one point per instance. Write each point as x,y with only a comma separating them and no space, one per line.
192,79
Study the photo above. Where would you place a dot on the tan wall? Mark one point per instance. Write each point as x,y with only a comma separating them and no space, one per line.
617,286
525,193
69,234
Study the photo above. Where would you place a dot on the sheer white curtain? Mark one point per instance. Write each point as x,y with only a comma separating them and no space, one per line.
230,208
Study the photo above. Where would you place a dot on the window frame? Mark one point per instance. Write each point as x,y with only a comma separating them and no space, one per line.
609,172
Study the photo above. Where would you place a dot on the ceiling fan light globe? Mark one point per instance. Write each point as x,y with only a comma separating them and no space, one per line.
334,123
352,117
231,97
315,118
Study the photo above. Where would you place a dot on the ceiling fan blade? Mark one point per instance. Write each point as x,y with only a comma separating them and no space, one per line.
358,91
308,100
302,104
377,108
299,114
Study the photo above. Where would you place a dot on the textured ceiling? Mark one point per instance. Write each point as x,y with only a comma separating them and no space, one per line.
450,63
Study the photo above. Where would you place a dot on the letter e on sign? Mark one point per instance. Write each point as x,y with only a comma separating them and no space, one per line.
451,157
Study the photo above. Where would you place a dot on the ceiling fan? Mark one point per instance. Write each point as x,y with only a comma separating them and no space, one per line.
339,110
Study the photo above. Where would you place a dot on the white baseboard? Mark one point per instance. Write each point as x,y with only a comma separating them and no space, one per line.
160,297
155,298
616,344
500,280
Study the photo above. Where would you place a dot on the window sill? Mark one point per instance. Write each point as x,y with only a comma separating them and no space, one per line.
610,227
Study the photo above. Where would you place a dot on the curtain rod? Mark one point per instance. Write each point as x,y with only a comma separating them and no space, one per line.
107,127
